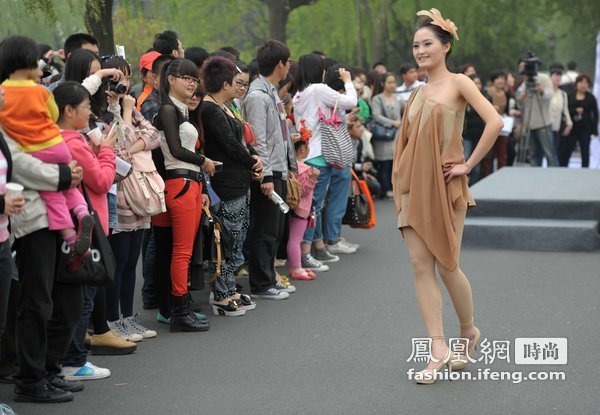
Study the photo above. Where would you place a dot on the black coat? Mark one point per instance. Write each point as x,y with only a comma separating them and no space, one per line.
589,121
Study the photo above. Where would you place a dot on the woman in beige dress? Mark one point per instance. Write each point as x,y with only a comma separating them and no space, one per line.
430,187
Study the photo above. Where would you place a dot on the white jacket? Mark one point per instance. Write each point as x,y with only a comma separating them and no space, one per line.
313,97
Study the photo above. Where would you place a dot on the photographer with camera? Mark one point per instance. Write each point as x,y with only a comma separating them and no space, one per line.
535,95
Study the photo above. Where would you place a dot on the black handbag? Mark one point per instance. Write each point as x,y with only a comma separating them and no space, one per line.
98,268
358,209
382,133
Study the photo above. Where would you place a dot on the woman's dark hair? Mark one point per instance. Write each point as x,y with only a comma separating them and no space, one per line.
178,67
216,71
299,144
497,74
231,50
270,54
372,79
17,52
69,93
332,76
440,34
241,65
581,77
379,87
78,65
310,71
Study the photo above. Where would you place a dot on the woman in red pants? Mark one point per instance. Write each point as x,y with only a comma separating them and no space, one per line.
183,188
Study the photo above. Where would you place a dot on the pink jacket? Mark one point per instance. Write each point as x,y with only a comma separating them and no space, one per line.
98,171
303,176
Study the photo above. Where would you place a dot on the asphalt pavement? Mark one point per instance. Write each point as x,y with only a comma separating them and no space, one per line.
340,344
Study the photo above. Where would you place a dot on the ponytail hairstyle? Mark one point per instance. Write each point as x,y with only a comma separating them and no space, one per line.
69,93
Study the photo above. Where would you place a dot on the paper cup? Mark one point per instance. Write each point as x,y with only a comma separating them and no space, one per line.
95,136
13,189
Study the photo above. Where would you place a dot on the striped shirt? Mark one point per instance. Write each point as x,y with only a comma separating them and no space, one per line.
3,218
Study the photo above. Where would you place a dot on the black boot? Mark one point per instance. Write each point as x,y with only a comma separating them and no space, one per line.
182,317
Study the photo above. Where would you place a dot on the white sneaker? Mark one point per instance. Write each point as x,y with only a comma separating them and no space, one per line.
340,247
271,294
119,327
309,262
88,371
350,244
132,324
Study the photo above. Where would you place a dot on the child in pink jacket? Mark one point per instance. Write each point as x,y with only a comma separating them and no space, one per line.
307,176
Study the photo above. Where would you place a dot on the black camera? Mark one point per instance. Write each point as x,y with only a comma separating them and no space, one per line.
530,69
115,86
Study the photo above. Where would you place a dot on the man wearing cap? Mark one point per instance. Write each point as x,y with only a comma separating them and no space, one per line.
144,88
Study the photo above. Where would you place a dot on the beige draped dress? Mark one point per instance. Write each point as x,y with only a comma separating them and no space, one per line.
429,139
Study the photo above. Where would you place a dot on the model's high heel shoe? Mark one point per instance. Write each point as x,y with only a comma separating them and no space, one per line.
428,376
459,361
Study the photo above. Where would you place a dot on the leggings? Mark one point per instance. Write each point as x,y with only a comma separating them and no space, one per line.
426,283
126,247
184,205
297,228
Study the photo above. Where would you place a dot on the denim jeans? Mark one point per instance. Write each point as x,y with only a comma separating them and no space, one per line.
316,234
469,146
337,200
540,145
76,354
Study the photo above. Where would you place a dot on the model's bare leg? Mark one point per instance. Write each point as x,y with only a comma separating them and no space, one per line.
458,286
428,292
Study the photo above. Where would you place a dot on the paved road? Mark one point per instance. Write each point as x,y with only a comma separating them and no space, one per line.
340,344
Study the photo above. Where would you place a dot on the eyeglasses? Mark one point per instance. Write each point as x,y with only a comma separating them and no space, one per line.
290,60
188,79
242,84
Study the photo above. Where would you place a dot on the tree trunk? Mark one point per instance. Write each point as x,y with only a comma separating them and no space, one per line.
278,17
279,11
98,21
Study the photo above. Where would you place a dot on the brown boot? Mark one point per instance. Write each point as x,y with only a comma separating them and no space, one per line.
110,343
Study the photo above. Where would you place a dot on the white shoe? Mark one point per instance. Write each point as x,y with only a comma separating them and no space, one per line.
88,371
350,244
340,247
132,324
123,331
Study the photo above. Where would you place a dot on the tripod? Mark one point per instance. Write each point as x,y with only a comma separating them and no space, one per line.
531,98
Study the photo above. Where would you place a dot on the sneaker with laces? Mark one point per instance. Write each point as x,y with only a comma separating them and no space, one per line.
285,285
118,326
309,262
271,294
341,247
89,371
132,324
350,244
6,410
323,255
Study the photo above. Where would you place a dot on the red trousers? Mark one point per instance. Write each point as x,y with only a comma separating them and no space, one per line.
184,206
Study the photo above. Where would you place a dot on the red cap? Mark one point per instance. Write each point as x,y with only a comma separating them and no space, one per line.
147,59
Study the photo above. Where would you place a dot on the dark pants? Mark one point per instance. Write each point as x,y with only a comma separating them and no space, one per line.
8,349
163,243
47,311
126,247
77,353
149,293
6,272
266,234
577,135
384,175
